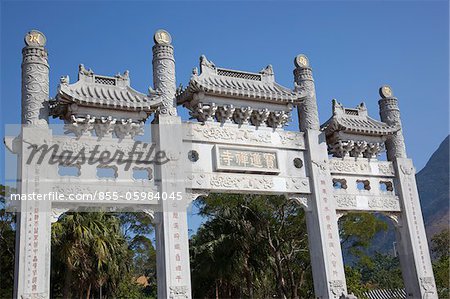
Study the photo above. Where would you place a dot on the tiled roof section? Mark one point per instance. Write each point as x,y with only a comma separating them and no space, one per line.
237,84
103,91
356,121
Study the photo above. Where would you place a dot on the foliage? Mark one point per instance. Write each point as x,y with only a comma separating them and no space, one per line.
89,252
357,231
93,253
441,251
7,237
251,246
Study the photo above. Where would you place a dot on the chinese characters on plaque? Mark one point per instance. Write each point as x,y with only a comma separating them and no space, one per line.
237,159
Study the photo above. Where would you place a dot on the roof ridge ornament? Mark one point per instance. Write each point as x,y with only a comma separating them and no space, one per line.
267,71
206,65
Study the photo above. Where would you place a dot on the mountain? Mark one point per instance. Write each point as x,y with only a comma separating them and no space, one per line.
433,185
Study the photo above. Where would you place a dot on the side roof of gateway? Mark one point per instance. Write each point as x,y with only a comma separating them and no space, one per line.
99,91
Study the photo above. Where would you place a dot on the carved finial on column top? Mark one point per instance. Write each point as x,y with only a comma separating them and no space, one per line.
162,37
35,38
35,81
301,61
390,114
302,71
386,92
304,83
164,71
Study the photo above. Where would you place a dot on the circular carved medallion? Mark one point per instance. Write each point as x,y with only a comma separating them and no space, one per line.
385,91
162,37
35,38
301,61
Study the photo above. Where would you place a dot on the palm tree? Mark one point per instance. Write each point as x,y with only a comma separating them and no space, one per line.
89,252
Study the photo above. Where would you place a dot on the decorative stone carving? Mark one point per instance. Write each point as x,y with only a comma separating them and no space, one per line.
321,165
259,117
358,148
372,149
57,212
164,76
178,292
80,125
215,133
294,138
349,166
194,194
427,285
304,84
390,114
350,131
337,288
296,183
103,126
408,170
127,127
35,296
387,203
386,168
396,218
35,81
374,203
241,97
203,112
149,212
242,115
300,199
224,113
345,201
222,181
278,119
342,148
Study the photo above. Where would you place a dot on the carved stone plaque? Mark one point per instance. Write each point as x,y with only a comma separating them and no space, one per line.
245,160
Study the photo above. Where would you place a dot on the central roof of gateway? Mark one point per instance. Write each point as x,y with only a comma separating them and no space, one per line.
237,84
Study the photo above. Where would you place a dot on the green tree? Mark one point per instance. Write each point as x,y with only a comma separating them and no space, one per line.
251,246
90,254
7,238
441,252
357,231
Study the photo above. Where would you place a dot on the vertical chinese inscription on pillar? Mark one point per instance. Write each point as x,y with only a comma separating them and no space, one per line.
331,242
408,171
177,247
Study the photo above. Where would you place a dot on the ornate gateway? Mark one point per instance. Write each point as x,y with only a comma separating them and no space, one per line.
236,144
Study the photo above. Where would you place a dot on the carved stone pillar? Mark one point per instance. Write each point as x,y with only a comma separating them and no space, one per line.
412,246
308,116
35,80
164,71
412,243
321,218
172,239
390,114
33,220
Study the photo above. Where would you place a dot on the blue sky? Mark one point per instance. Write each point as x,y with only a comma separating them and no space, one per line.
354,47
